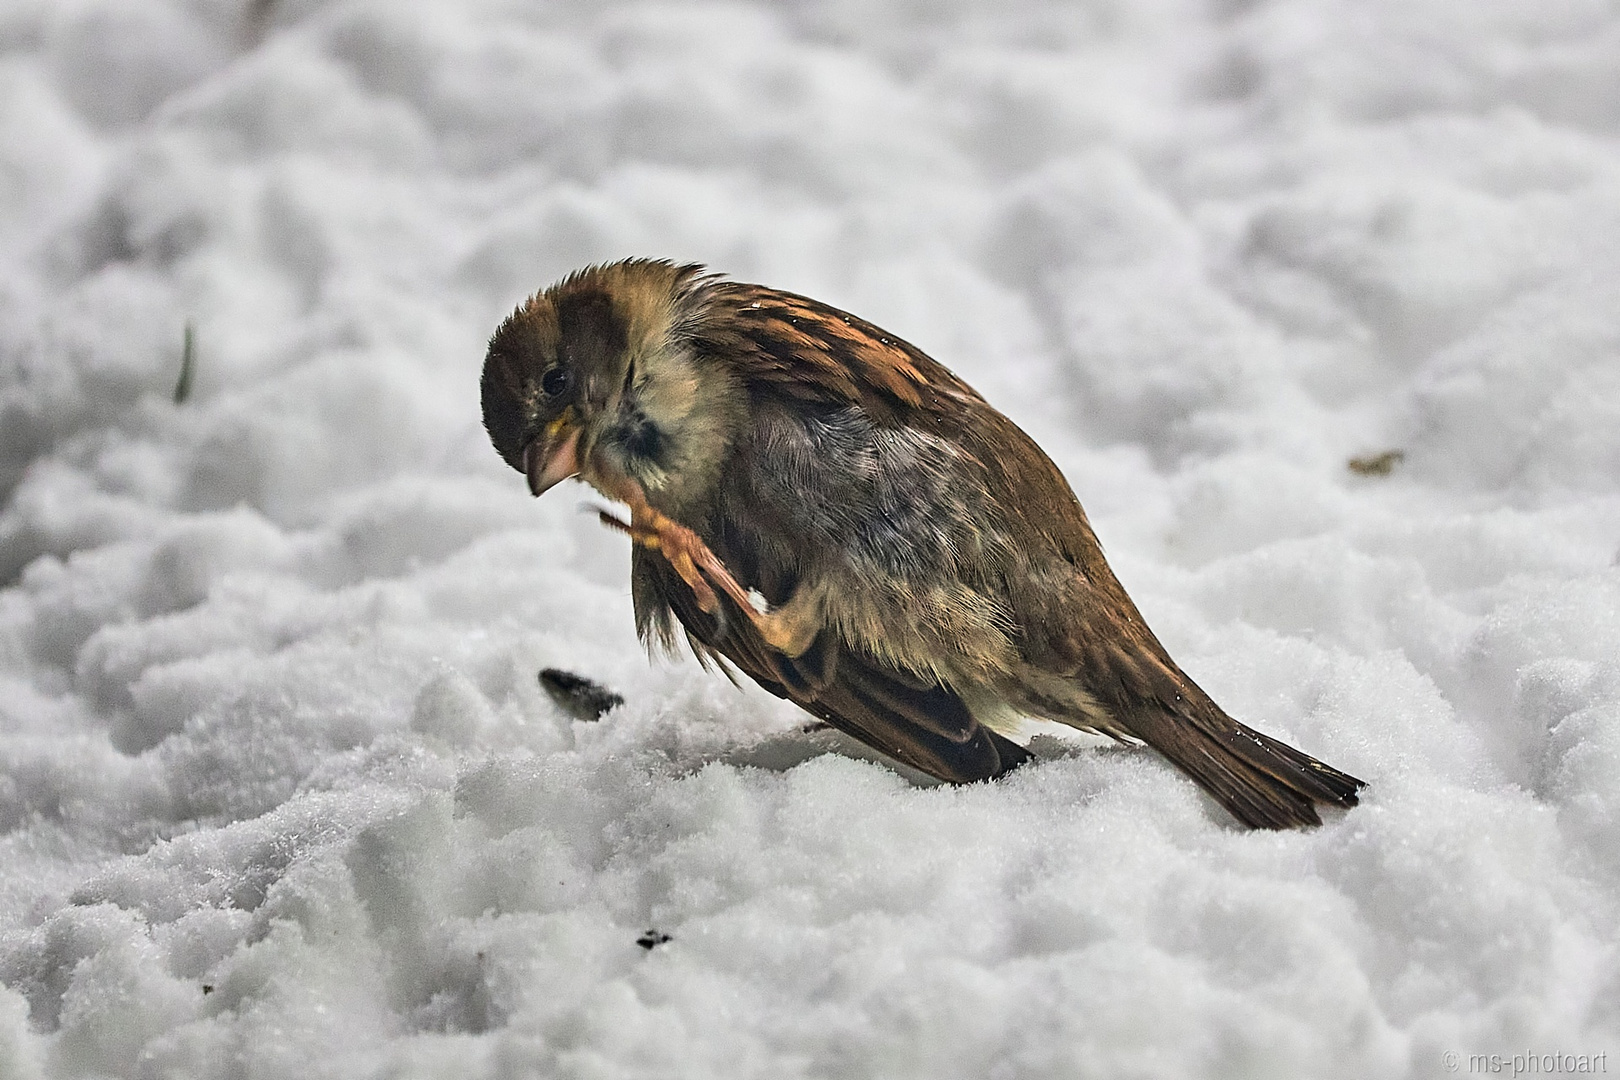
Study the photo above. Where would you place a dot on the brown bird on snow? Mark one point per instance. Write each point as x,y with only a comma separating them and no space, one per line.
840,517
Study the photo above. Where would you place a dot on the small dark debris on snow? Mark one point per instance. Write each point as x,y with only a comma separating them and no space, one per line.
1377,464
188,365
208,988
578,696
652,939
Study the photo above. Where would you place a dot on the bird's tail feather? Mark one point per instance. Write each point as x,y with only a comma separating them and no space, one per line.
1264,783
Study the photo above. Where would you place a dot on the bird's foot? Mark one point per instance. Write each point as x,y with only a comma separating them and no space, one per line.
686,553
790,628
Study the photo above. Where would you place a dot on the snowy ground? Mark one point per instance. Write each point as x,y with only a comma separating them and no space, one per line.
280,796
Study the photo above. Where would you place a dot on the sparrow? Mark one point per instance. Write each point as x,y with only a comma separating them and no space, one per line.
819,505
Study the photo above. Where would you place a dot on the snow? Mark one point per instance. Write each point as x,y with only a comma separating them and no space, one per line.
281,796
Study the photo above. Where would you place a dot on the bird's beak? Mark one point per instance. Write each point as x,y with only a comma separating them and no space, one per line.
553,456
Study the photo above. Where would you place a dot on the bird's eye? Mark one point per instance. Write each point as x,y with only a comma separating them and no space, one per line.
555,381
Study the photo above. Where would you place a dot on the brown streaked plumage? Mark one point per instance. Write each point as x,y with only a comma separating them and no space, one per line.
825,507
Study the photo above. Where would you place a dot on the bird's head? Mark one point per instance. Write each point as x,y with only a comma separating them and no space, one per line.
598,377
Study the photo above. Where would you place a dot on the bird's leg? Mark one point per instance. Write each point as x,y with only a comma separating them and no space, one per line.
790,628
685,552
